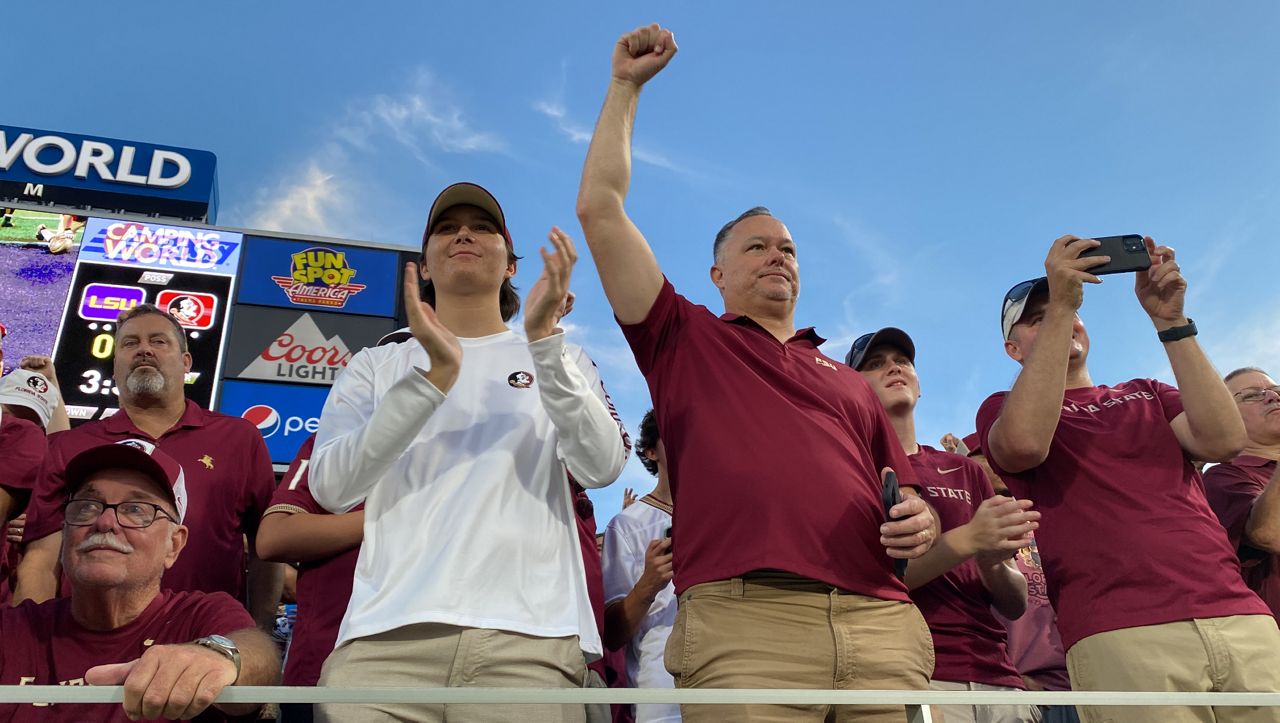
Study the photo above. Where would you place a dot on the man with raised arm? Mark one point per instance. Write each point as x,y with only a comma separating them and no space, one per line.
783,556
1146,586
460,441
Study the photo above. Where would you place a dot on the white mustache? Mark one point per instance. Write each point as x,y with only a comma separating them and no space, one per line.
102,539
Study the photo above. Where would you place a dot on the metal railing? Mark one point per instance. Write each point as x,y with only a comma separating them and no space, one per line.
915,701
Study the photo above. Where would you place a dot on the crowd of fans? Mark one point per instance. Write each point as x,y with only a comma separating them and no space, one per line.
435,531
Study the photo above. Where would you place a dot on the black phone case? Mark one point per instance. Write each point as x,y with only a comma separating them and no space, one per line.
1127,252
892,495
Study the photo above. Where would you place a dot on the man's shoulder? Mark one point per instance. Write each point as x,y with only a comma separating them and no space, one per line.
82,436
638,516
224,422
1244,468
954,470
214,612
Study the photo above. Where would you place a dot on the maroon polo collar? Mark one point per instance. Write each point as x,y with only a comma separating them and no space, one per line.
805,333
120,423
1249,460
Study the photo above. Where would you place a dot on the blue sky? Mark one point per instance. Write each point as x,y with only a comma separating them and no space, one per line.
924,155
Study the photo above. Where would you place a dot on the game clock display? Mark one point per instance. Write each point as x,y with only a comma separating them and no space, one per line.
86,343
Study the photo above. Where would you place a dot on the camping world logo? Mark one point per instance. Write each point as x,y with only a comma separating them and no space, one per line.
265,418
319,276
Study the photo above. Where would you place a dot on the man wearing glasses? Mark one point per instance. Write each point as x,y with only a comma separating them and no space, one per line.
173,652
1139,570
228,471
1245,492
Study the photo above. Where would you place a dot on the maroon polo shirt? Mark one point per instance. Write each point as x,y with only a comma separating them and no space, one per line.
44,645
22,447
324,586
1232,488
774,451
229,483
968,640
1126,535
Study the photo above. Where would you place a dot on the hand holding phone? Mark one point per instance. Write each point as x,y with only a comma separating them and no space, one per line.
892,495
1127,252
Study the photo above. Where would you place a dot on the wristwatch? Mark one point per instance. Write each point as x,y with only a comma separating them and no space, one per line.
223,646
1178,332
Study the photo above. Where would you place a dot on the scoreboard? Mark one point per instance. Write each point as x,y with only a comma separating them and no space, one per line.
188,272
271,320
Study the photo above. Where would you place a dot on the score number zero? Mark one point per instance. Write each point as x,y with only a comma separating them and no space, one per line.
102,347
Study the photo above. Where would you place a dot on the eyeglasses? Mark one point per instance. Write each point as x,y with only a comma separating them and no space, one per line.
135,515
1254,395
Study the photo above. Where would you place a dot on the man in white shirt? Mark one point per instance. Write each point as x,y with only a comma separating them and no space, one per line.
460,441
640,600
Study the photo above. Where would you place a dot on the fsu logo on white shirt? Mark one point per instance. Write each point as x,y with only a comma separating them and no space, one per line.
520,380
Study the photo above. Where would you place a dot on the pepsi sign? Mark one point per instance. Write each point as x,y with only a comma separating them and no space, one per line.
160,246
285,414
105,173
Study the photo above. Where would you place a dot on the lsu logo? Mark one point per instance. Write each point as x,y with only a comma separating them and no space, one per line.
105,302
319,276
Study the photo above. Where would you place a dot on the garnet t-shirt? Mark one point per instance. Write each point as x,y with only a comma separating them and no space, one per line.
1126,536
774,451
22,447
968,641
42,644
1232,488
324,586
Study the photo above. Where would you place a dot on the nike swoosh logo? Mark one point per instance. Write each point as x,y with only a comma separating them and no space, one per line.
948,471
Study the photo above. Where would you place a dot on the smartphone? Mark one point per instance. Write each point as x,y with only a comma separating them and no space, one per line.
1128,253
892,495
668,533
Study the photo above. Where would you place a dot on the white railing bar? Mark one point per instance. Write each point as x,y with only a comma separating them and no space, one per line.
284,694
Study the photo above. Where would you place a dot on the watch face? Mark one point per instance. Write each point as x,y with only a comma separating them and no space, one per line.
220,640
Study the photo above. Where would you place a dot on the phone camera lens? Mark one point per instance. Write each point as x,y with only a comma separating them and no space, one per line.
1133,245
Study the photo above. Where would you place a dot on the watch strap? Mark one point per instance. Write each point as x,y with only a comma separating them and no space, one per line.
223,646
1178,332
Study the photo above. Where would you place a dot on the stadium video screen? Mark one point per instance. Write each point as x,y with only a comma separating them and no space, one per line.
38,253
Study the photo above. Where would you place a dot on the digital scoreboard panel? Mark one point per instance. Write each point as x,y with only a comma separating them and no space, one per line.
187,272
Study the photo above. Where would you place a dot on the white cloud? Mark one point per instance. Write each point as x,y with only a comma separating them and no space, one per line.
312,202
1253,342
556,112
885,271
317,194
581,134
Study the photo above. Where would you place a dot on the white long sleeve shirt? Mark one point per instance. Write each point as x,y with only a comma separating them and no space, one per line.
468,512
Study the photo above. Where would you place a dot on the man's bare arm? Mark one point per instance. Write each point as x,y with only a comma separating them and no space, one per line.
628,269
1262,529
39,570
264,582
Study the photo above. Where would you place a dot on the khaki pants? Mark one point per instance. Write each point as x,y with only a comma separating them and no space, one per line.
1238,654
432,655
775,630
980,713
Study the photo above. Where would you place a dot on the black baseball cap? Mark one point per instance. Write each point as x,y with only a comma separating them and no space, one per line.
890,335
